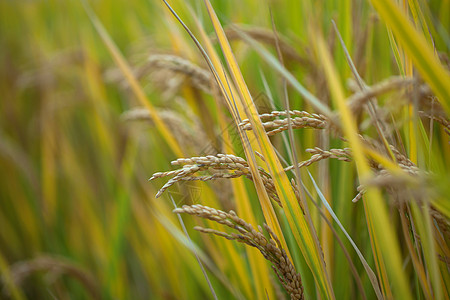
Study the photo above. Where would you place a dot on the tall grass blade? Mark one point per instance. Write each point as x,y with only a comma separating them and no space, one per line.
299,227
417,48
195,253
370,273
127,72
275,64
376,209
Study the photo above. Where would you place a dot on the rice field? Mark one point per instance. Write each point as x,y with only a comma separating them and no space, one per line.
225,149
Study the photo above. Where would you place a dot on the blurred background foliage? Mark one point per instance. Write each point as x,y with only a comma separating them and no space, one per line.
78,218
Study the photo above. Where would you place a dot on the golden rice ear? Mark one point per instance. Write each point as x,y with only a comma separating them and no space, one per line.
220,166
244,232
298,119
198,77
56,267
190,135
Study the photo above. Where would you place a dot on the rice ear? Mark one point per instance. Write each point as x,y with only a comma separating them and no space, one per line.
244,232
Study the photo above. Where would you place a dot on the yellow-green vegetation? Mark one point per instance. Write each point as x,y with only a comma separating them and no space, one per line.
295,149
